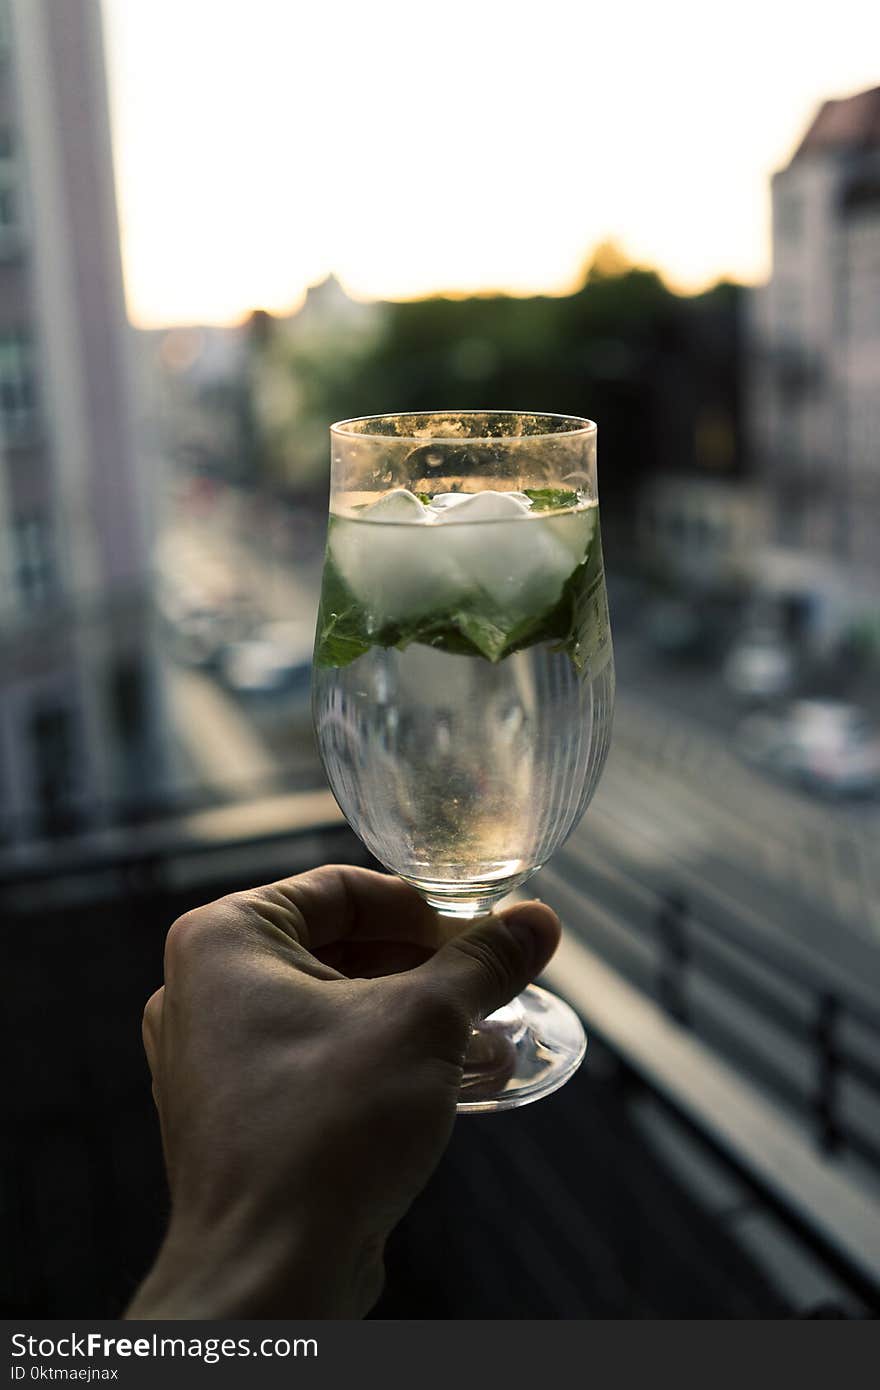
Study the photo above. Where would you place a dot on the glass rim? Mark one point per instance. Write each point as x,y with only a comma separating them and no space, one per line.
574,426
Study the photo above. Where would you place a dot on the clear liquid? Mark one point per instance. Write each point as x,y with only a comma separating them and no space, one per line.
460,775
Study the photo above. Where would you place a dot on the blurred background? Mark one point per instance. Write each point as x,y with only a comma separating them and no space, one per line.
222,227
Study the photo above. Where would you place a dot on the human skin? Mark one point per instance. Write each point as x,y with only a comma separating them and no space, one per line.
306,1053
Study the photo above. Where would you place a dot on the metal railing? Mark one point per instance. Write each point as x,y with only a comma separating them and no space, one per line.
681,949
740,990
686,945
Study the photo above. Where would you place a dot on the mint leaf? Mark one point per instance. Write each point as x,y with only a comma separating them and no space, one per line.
589,630
550,499
441,632
577,622
574,623
342,634
339,648
489,638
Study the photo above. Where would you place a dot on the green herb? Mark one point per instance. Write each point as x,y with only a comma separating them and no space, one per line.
589,628
424,498
342,634
550,499
577,622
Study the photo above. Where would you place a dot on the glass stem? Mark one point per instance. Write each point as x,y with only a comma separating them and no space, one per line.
493,1039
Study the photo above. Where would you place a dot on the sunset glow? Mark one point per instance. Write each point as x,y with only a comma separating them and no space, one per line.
261,145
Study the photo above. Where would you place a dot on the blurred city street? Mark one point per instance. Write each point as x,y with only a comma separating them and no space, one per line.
696,799
216,562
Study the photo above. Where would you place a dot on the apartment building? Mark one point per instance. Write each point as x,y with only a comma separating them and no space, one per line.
814,360
79,725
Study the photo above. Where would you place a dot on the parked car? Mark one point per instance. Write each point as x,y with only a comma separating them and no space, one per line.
274,658
671,626
760,666
201,620
826,746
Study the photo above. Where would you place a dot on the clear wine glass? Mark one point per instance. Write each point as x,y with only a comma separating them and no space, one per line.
463,679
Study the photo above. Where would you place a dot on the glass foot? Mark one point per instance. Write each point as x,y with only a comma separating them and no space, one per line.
523,1052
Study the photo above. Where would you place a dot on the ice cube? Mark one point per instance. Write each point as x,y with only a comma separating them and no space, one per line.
483,506
396,575
442,500
449,499
409,572
520,569
397,505
575,531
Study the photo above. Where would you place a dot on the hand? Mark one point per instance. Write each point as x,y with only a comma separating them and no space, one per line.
305,1093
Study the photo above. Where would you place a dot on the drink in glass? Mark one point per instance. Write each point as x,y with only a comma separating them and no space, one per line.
464,680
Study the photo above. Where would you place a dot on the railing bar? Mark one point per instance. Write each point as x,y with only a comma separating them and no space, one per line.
792,970
818,1199
799,963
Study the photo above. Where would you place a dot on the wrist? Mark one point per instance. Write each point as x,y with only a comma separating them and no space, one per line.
235,1270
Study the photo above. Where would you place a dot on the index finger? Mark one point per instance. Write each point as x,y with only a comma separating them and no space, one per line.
341,902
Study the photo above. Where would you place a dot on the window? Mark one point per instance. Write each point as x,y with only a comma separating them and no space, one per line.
33,560
789,302
7,209
127,688
790,515
53,754
128,712
789,216
17,385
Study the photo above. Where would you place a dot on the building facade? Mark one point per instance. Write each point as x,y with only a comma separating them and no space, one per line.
79,727
814,361
697,517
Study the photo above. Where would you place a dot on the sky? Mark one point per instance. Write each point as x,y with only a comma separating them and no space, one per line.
473,145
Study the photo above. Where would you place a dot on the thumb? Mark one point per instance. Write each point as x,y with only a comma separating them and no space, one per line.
495,959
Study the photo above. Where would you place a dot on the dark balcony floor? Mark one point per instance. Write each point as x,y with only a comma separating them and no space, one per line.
562,1210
